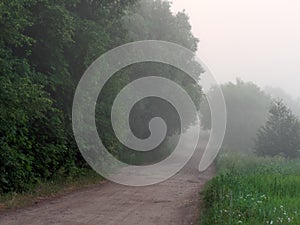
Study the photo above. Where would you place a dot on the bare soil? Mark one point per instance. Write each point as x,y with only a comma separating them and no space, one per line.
173,202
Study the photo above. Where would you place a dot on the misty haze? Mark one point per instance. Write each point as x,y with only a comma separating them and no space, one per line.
149,112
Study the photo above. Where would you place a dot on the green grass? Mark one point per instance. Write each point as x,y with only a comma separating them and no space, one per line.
253,190
50,189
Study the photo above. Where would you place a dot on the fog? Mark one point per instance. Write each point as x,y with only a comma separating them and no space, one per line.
254,40
107,118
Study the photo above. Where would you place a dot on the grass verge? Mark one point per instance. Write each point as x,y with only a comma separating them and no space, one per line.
253,190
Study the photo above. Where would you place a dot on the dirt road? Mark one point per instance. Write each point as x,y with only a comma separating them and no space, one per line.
173,202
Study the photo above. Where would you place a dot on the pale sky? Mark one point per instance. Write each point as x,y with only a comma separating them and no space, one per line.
256,40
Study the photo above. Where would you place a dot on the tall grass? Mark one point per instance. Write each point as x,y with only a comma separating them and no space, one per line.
253,190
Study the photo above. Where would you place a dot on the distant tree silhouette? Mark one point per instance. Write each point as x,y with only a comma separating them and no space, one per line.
281,133
247,110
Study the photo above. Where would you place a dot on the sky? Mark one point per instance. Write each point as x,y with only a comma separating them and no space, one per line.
255,40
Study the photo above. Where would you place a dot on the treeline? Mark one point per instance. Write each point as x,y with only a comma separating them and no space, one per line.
247,109
45,47
261,121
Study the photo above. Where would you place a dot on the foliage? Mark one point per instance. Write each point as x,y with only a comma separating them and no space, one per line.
247,110
278,93
153,20
45,47
31,145
48,189
281,133
30,128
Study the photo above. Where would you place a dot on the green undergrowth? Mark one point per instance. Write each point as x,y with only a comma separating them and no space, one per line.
50,189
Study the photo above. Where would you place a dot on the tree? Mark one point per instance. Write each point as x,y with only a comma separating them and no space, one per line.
280,134
247,110
45,46
279,93
154,20
32,144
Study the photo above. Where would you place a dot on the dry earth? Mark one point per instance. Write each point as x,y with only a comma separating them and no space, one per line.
173,202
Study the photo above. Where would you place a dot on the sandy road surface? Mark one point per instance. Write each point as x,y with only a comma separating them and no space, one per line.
173,202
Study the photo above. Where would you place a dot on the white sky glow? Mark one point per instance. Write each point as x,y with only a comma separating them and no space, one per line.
257,40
